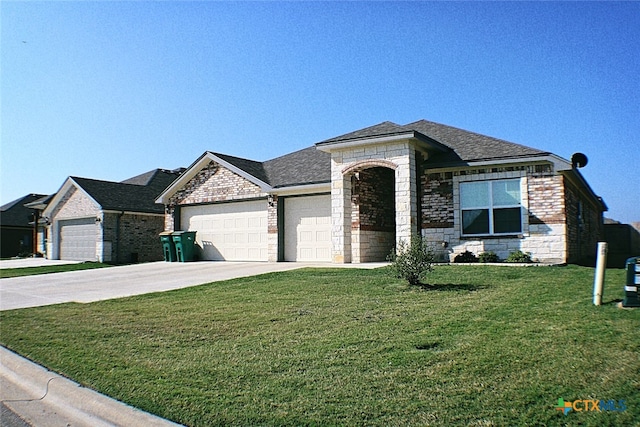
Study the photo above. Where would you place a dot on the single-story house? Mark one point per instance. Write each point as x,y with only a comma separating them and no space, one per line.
352,198
104,221
16,227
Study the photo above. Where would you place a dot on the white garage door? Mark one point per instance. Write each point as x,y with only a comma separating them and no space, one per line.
307,228
229,231
78,239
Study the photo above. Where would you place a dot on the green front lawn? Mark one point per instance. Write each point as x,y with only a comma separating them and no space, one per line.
48,269
493,346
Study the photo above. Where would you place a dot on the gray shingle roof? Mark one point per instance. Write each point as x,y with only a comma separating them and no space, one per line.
470,146
251,167
306,166
464,146
310,165
381,129
123,196
15,214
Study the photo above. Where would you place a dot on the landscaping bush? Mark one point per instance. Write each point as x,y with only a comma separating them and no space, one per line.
411,261
489,256
466,256
519,256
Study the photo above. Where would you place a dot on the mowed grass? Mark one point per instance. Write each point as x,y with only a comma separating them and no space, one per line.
48,269
493,346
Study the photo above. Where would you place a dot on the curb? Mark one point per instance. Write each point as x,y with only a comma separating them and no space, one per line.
43,398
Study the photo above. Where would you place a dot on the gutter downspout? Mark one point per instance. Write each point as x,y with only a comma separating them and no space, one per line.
117,243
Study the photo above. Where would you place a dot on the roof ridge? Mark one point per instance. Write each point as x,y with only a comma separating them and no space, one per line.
468,132
76,178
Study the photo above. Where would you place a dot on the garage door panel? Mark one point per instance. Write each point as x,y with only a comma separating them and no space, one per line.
234,231
78,239
308,228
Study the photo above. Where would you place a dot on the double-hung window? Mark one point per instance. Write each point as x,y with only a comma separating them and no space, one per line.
491,207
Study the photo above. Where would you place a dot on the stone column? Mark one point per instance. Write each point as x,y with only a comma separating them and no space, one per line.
340,214
406,196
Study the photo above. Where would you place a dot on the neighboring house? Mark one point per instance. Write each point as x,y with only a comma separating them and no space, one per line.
118,222
623,240
353,197
16,227
38,206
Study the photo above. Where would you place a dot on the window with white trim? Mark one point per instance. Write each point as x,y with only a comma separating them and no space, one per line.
491,207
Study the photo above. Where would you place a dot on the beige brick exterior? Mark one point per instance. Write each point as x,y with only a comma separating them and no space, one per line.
120,237
548,208
383,193
215,183
75,204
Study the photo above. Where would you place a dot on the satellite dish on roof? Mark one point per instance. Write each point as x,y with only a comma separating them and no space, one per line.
579,160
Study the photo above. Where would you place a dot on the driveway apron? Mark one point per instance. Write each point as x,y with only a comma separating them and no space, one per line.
122,281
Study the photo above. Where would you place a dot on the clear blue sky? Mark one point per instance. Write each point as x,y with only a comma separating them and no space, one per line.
109,90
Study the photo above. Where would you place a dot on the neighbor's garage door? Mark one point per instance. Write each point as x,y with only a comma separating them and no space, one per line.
78,239
307,228
229,231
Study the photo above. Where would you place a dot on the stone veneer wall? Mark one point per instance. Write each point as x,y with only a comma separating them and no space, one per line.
399,156
544,225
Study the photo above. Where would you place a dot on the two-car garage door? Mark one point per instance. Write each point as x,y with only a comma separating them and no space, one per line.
237,231
229,231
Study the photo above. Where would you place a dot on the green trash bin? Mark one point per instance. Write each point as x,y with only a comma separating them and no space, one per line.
185,242
168,248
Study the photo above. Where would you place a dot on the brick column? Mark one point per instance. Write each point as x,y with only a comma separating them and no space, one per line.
272,229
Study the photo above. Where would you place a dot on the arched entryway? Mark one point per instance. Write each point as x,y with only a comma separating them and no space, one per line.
373,213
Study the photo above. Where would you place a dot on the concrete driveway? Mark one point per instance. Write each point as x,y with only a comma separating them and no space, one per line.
122,281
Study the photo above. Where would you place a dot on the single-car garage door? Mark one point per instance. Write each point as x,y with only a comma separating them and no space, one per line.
235,231
78,239
307,228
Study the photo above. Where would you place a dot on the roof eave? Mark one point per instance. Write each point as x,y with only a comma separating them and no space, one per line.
558,162
310,188
197,166
424,141
68,183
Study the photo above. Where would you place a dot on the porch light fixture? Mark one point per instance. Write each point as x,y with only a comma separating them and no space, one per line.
98,219
271,200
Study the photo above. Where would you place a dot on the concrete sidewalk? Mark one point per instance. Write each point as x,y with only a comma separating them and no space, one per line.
32,262
43,398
